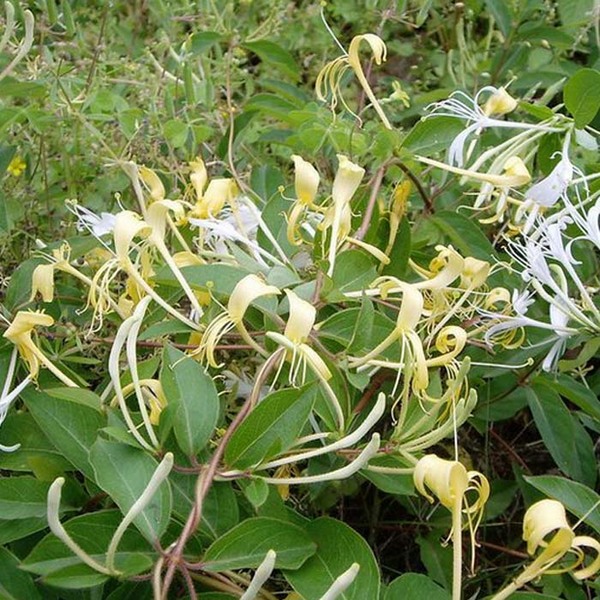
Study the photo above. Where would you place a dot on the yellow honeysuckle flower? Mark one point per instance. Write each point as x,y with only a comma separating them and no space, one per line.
301,319
474,273
330,76
306,181
128,225
20,333
499,103
198,177
338,216
246,291
515,172
306,184
217,194
449,481
42,282
153,183
153,394
549,535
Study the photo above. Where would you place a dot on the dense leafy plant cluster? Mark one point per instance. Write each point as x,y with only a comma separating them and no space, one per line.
300,311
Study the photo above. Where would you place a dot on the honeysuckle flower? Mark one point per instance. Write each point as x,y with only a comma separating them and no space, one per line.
8,396
306,185
549,539
515,172
328,80
261,575
198,177
450,482
461,106
20,333
412,363
97,225
152,392
238,223
247,290
499,103
342,583
153,183
42,282
53,514
300,322
219,192
549,190
339,215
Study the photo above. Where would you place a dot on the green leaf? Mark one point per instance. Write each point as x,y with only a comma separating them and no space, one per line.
36,452
176,132
201,41
500,10
123,472
400,252
338,547
578,498
78,396
220,279
245,546
271,428
582,96
272,53
220,510
432,135
71,427
15,584
25,498
192,399
93,532
437,559
391,484
415,586
363,328
21,89
466,236
353,271
565,438
574,391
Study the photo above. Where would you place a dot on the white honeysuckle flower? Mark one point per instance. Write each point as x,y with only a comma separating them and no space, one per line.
88,220
549,190
462,106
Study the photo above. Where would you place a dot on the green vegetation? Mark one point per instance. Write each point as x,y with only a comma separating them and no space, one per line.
299,301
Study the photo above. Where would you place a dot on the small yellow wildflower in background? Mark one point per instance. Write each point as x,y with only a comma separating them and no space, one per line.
16,166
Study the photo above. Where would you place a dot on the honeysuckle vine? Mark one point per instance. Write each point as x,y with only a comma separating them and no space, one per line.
311,354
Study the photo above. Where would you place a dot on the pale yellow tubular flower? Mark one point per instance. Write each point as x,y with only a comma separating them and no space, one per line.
153,183
42,282
450,342
301,319
246,291
330,76
153,393
379,53
499,103
20,334
449,482
585,541
474,273
198,177
217,194
306,184
129,225
347,179
548,533
515,172
445,268
397,211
